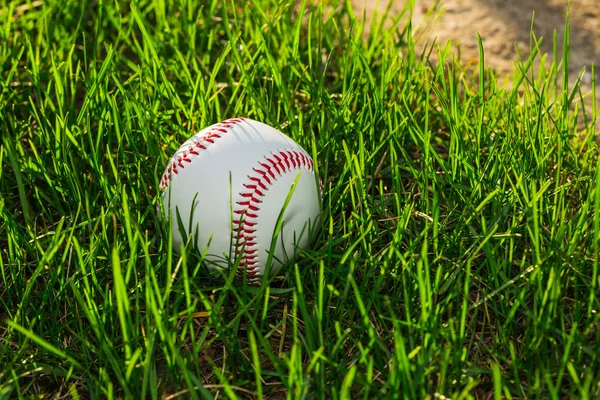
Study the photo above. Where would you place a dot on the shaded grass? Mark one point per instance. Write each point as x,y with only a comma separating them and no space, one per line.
458,252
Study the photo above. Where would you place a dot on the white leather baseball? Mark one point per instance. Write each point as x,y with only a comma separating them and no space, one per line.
237,175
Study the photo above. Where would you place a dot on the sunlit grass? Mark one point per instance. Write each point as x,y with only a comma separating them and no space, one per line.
458,254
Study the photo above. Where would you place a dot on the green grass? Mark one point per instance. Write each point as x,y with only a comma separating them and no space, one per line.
458,256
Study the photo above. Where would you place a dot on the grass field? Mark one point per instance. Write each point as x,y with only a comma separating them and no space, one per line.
458,255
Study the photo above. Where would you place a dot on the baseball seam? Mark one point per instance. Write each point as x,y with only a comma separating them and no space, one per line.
195,145
246,210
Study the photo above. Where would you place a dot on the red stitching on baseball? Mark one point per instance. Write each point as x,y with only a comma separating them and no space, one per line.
244,240
195,145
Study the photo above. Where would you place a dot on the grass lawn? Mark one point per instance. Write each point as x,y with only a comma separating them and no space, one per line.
458,255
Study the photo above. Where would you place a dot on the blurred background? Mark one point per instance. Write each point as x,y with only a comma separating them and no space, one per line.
504,25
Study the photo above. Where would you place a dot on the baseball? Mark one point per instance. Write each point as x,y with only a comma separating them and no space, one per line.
227,186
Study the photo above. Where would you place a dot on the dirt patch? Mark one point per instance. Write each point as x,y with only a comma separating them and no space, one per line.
505,24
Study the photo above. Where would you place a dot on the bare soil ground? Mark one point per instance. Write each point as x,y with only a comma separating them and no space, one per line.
505,24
